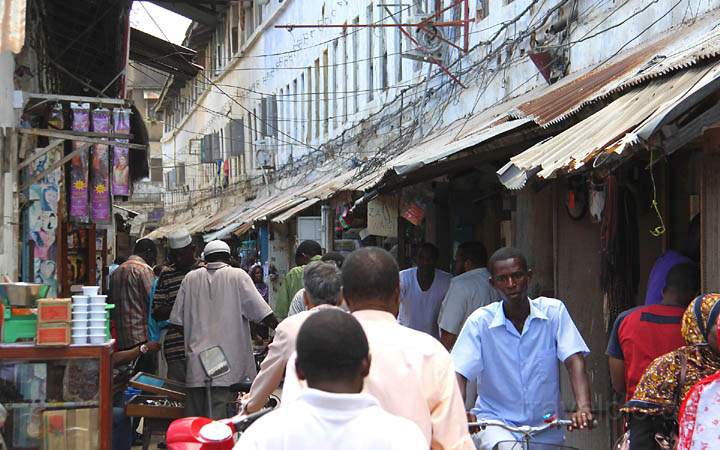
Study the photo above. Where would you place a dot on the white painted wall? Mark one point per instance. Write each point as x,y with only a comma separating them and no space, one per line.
250,75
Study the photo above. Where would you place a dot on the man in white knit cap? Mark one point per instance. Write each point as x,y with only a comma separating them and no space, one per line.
214,306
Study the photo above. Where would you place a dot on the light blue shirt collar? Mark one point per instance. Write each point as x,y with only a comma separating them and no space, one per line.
499,318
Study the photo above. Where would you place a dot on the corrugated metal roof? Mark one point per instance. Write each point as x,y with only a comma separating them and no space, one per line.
290,213
681,47
610,130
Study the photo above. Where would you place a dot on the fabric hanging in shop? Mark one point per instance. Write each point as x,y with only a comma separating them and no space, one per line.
100,194
121,158
79,166
43,213
619,249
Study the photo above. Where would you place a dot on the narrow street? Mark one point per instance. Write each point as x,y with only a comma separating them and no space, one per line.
515,201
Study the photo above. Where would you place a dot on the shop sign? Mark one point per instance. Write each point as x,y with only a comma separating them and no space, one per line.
382,215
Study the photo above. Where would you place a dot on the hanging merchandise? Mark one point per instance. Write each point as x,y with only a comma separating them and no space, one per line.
345,218
55,121
121,157
414,204
100,194
79,165
43,213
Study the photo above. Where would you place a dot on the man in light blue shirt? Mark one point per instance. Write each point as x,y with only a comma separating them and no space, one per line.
512,348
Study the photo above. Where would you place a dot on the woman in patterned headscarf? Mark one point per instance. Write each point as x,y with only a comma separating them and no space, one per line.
657,398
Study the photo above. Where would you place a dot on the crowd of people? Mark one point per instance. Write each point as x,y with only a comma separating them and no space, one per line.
369,356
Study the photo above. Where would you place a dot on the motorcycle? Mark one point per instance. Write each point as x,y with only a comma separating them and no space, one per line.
202,433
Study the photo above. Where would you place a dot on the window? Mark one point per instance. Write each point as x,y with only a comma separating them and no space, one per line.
308,104
325,88
281,113
345,72
482,10
398,45
383,50
156,170
220,47
316,95
356,71
303,107
297,114
248,20
234,18
335,87
251,143
287,108
456,32
370,54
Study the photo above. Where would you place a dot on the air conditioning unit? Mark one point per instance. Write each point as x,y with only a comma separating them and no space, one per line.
429,38
186,189
265,150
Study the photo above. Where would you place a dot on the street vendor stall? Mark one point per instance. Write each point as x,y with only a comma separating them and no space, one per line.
55,370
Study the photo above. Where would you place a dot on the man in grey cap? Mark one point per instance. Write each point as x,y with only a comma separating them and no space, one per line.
214,306
182,260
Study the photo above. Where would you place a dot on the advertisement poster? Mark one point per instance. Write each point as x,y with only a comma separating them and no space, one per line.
121,157
79,210
100,193
43,220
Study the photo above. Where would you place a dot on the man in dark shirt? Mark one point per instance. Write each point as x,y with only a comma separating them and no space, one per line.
182,260
130,291
642,334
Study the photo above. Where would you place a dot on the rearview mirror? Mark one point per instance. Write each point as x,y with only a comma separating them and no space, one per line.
214,362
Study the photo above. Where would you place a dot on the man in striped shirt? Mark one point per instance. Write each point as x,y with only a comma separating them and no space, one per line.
182,260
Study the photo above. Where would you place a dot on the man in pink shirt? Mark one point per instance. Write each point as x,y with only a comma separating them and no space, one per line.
412,375
322,291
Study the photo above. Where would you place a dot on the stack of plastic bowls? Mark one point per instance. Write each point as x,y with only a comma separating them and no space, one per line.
97,319
80,316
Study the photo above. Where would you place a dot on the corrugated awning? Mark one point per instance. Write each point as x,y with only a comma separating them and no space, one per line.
290,213
679,48
625,122
163,55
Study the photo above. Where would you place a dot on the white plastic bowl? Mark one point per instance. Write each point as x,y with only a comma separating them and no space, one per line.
97,323
98,298
97,308
90,290
80,331
97,315
79,315
79,340
80,299
97,338
80,309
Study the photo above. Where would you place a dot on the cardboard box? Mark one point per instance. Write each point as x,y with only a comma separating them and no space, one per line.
53,334
83,431
54,430
54,310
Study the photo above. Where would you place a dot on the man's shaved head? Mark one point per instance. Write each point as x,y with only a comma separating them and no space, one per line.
370,276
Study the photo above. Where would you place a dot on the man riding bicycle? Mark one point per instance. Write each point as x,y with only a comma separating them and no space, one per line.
512,348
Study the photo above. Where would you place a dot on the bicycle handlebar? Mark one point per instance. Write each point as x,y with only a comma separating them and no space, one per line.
523,429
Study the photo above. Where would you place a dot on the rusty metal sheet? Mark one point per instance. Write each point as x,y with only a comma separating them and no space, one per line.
682,47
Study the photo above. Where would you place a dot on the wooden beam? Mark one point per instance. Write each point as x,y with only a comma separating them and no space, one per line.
90,134
52,167
692,130
710,212
42,151
81,138
75,98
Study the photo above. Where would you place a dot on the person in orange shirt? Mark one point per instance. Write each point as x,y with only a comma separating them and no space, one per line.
412,375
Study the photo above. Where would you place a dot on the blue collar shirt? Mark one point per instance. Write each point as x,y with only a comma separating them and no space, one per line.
517,373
